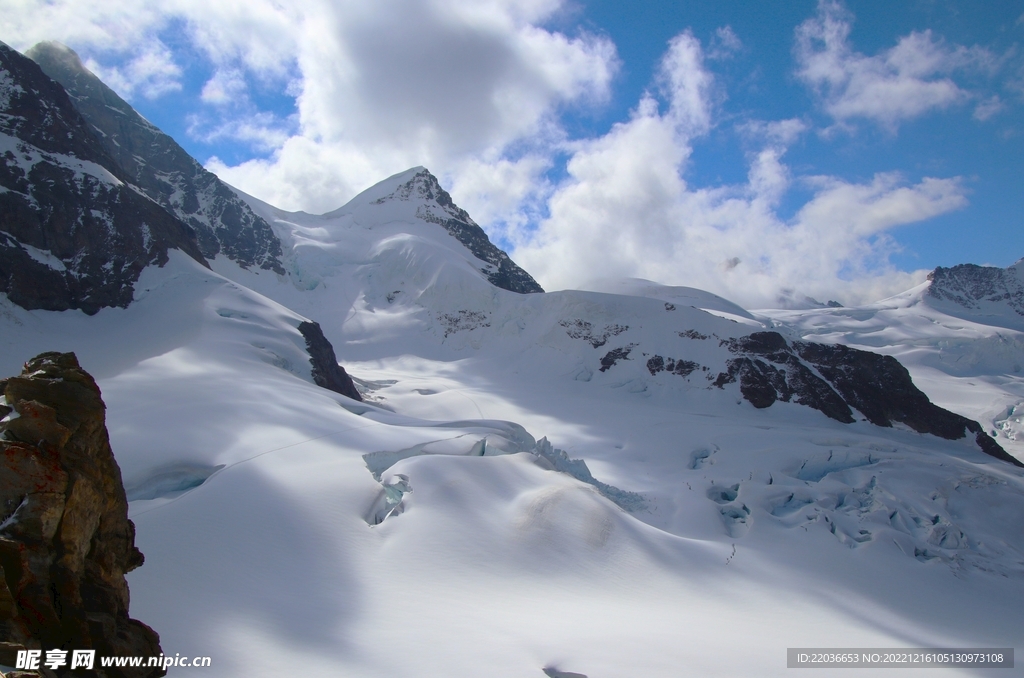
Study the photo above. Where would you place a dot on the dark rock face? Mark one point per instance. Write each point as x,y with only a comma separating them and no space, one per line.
768,368
662,364
151,160
73,233
968,285
501,271
609,359
581,329
327,373
784,377
65,538
881,388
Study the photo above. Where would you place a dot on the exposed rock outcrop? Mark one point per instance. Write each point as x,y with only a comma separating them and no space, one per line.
74,234
834,379
501,271
65,538
768,369
327,373
678,367
609,359
153,161
971,286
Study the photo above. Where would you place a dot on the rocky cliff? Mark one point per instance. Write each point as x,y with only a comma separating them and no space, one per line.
65,538
327,373
972,286
836,380
223,222
74,234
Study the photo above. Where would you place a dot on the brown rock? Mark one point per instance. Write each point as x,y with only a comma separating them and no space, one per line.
65,538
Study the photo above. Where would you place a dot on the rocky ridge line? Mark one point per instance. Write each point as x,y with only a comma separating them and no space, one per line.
501,270
834,379
326,371
968,285
74,234
153,161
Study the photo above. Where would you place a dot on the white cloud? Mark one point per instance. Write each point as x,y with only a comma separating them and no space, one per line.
258,130
777,132
860,210
450,84
989,107
151,73
507,195
227,86
259,36
474,89
724,45
626,211
898,84
687,85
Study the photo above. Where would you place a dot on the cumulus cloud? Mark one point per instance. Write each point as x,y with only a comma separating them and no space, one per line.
380,85
227,86
451,84
687,85
476,89
151,73
898,84
626,210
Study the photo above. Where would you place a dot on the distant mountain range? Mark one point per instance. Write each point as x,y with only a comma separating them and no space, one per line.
982,291
84,238
636,433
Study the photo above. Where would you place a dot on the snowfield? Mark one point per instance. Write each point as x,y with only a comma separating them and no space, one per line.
526,486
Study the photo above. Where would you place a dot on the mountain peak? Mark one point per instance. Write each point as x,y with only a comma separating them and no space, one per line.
980,290
417,186
74,233
402,186
166,173
416,183
56,53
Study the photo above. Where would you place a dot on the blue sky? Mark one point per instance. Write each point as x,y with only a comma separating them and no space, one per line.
760,150
759,82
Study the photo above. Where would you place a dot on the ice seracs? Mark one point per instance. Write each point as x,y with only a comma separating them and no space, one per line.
565,482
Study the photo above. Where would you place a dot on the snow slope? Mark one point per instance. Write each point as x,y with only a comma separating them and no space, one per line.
968,359
431,531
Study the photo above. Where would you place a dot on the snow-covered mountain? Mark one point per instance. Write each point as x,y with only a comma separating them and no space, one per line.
960,335
991,295
630,480
153,162
75,234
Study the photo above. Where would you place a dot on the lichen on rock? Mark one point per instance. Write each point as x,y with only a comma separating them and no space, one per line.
65,538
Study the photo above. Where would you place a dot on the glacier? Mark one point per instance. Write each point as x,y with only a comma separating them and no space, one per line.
536,483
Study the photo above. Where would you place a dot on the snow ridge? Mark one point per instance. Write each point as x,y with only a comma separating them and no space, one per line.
436,206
